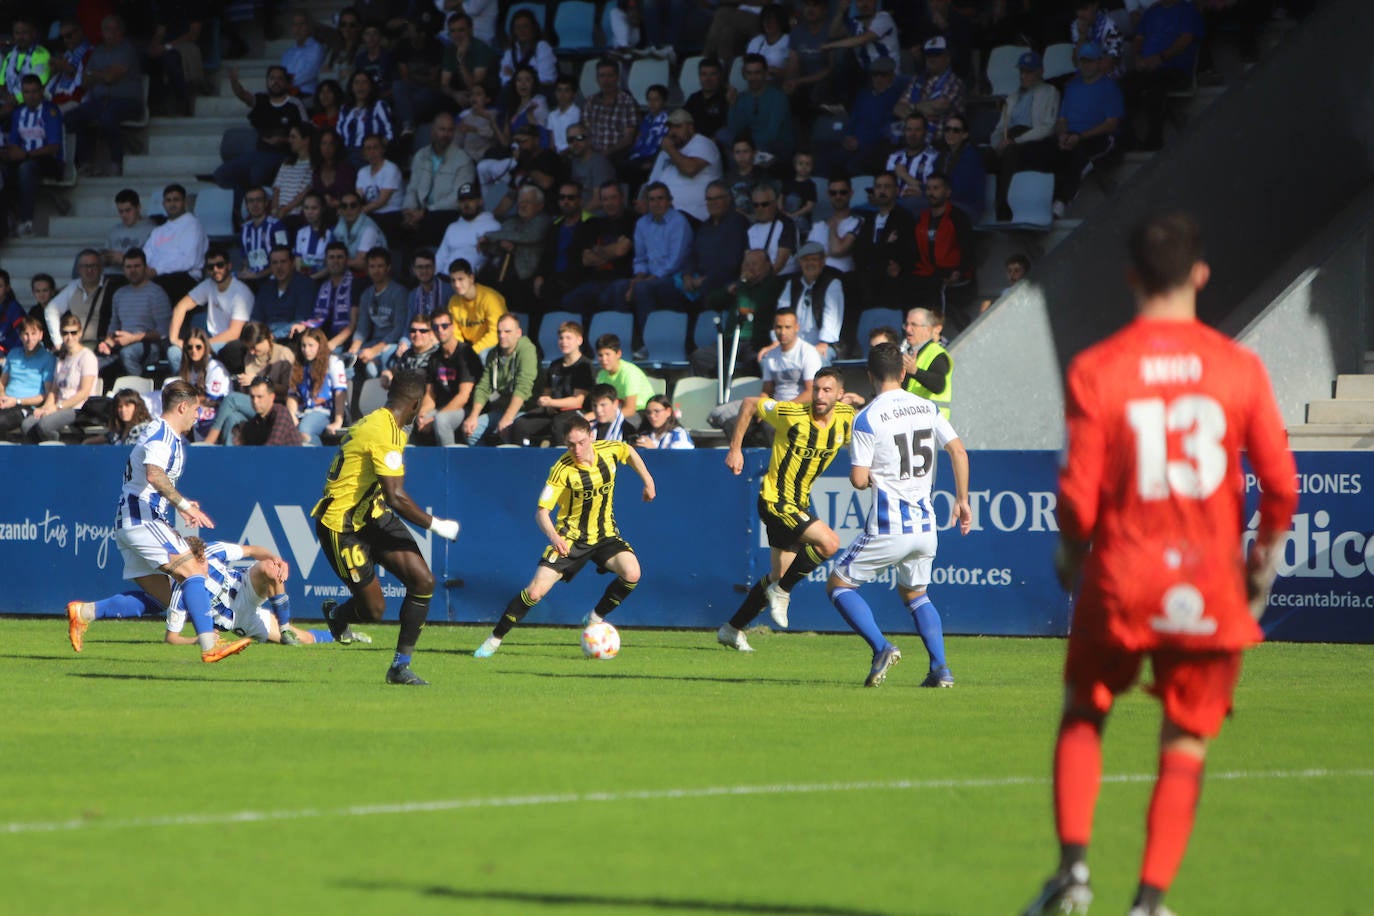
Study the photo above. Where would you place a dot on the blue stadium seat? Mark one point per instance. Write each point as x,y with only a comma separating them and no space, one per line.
1003,75
664,333
1031,198
621,324
688,79
548,331
1059,60
644,73
215,210
574,24
704,331
876,318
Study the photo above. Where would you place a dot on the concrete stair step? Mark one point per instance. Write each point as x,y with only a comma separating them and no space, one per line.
219,106
1369,361
95,196
1355,387
79,227
1347,411
1330,437
178,167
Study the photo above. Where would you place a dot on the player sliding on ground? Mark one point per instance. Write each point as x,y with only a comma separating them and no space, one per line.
356,522
807,437
581,486
154,553
1151,500
895,438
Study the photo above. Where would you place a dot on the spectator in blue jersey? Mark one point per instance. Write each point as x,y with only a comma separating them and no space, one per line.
661,428
258,235
33,151
432,291
68,68
285,297
319,386
365,114
1089,118
336,301
27,376
653,127
381,318
1166,46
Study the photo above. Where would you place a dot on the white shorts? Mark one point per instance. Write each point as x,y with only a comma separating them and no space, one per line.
147,547
910,555
246,616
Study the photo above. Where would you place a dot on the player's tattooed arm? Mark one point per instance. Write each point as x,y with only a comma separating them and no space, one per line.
189,508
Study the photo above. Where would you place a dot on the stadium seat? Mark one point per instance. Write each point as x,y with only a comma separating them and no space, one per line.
704,331
136,382
664,333
659,385
574,25
862,184
746,386
875,318
524,319
694,398
736,78
688,80
1031,197
1003,75
1059,60
215,210
548,331
371,397
621,324
586,83
421,139
644,73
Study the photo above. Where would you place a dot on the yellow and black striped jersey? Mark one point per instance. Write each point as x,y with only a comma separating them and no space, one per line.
584,494
802,448
374,447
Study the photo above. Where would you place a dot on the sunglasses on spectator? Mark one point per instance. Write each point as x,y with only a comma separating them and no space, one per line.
70,332
763,203
840,192
195,348
420,330
216,265
350,204
577,137
440,325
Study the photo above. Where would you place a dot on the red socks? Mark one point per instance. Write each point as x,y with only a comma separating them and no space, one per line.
1077,777
1170,821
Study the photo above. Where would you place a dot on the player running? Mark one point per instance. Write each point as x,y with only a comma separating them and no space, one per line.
155,554
581,486
356,522
893,452
807,438
1151,499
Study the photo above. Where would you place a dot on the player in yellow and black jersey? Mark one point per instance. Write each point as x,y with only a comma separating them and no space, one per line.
581,487
356,521
806,439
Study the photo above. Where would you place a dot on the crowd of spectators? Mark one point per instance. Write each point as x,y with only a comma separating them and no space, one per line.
422,171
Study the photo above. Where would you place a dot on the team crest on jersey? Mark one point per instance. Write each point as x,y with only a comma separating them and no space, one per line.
1183,607
393,460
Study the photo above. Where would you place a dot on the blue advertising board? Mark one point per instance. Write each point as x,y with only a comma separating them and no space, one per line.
700,542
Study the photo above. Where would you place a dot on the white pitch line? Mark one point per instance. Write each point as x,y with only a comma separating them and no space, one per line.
571,798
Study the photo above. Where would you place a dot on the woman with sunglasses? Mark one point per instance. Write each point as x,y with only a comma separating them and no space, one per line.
319,388
968,180
200,368
72,383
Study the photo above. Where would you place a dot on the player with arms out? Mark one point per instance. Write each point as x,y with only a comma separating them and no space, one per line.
1151,500
356,522
155,554
581,486
893,453
807,438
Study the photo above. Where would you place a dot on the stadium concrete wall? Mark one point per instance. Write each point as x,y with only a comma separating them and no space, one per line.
699,542
1265,168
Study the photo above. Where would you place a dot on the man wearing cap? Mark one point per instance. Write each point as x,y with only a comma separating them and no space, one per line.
686,163
1089,117
938,93
866,136
817,296
437,171
1024,138
460,239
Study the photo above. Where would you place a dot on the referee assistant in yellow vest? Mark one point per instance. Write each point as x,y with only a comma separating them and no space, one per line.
928,365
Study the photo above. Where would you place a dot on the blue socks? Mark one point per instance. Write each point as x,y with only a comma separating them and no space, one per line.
402,658
856,612
281,608
932,631
197,601
322,635
126,604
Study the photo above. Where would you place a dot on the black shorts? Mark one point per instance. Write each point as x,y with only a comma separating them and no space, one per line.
784,523
599,553
353,554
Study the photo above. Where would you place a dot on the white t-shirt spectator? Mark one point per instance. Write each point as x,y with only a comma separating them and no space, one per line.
558,123
770,236
775,54
178,245
623,34
820,233
371,186
689,193
234,303
460,241
789,369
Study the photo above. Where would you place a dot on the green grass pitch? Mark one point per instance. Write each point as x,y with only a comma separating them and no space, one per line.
679,778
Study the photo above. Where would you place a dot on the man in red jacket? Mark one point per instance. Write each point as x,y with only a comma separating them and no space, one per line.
943,273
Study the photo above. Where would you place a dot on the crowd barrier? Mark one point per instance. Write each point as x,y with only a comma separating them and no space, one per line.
700,543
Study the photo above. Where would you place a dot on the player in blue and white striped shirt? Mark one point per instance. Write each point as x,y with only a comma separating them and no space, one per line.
155,554
893,453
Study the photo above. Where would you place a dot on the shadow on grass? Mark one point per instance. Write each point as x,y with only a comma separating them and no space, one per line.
108,676
604,901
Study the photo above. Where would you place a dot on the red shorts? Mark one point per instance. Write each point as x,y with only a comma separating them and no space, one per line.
1195,687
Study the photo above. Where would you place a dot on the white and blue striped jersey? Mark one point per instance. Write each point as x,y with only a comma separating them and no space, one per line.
897,437
223,580
139,503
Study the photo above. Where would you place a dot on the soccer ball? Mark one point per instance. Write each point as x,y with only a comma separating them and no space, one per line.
600,640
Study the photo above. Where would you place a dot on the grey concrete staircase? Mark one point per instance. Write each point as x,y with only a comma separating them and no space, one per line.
1343,422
